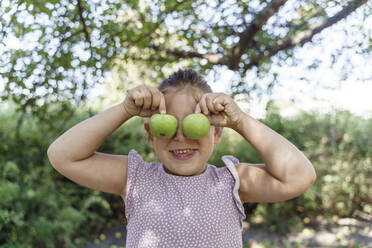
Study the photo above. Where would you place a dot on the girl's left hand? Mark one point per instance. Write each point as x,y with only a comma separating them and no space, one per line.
220,109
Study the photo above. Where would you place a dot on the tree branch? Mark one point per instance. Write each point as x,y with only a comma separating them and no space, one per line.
247,36
305,36
87,38
246,39
159,21
11,19
80,9
213,58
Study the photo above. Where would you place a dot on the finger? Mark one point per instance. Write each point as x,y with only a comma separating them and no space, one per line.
155,98
210,105
219,103
203,105
162,108
138,98
147,99
197,109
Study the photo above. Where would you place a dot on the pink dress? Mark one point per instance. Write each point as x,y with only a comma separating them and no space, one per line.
165,210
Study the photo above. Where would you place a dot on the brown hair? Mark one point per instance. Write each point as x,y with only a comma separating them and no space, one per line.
183,78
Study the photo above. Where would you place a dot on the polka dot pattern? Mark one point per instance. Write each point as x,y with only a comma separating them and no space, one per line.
165,210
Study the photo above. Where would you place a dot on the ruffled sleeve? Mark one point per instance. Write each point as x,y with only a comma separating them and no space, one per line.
230,163
135,165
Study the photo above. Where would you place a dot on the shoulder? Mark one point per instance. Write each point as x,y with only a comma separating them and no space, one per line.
231,163
241,174
229,176
139,171
134,157
138,166
227,173
136,160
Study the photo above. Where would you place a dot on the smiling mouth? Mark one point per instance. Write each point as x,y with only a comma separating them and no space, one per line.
183,154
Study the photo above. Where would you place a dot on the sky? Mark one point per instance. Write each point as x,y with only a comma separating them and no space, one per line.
352,94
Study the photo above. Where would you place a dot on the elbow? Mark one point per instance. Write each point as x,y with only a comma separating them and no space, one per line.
314,178
312,174
308,173
301,183
310,179
52,156
50,152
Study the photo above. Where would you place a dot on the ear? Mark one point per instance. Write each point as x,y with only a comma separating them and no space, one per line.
147,128
217,134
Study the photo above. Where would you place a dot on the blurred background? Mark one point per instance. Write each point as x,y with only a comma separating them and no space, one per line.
304,68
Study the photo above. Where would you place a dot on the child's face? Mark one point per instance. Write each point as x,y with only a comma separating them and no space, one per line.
180,104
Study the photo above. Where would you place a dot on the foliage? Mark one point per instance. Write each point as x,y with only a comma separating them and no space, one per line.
339,146
41,208
65,48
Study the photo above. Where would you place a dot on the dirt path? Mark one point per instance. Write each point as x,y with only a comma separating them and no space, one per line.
344,232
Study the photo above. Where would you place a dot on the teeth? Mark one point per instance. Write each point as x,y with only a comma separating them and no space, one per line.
181,151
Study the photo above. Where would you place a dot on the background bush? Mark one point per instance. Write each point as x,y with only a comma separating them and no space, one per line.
339,145
41,208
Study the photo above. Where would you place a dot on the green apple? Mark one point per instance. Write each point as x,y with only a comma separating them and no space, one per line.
195,126
163,126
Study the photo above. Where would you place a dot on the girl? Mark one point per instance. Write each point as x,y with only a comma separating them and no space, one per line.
183,201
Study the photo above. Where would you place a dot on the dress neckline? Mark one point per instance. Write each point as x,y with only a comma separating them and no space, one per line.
184,178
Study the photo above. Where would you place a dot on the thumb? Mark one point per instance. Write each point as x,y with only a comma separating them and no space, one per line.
162,108
197,109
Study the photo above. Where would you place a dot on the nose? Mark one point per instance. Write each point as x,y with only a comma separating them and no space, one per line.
179,134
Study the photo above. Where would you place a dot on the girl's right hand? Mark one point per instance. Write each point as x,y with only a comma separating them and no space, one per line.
144,101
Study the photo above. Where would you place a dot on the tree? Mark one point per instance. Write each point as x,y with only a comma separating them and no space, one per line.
69,46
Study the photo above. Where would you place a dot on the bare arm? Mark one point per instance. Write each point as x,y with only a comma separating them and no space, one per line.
74,154
83,139
286,172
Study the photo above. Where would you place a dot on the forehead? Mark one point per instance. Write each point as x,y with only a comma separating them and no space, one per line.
182,102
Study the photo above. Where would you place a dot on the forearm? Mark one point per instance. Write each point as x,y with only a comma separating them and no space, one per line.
281,158
83,139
